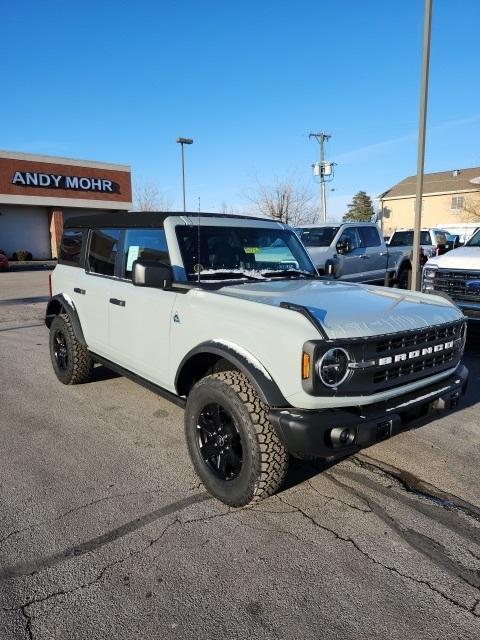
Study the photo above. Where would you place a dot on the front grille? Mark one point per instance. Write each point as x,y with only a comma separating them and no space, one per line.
454,284
384,362
423,338
408,369
420,349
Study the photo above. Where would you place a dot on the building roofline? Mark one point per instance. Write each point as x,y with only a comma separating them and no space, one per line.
425,195
30,157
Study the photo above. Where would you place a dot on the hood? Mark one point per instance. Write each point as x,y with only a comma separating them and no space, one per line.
467,258
347,310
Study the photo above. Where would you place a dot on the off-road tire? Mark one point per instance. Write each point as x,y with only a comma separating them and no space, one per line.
79,363
264,459
404,278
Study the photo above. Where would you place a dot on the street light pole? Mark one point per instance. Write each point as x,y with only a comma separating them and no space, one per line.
183,141
421,146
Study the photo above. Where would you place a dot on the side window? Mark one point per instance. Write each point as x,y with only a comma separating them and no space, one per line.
103,251
370,237
71,247
424,238
350,235
147,244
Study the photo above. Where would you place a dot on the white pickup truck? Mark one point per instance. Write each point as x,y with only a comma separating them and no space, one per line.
456,276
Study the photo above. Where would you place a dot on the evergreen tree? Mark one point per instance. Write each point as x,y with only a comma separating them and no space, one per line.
360,209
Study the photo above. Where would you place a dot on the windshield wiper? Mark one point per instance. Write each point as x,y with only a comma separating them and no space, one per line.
225,275
289,273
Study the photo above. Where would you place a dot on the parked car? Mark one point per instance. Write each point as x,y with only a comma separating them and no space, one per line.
4,266
456,275
433,242
267,358
355,252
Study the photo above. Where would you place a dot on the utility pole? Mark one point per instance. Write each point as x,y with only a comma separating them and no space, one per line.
182,141
421,146
321,138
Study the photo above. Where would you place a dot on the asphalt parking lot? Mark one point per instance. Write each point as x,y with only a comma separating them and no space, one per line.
105,531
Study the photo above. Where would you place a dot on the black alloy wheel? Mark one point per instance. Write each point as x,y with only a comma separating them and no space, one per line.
233,447
60,351
71,360
219,441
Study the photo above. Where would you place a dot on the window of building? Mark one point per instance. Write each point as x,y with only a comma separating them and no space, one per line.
103,251
458,202
144,244
71,247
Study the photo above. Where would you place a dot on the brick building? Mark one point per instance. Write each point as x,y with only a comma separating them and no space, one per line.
38,192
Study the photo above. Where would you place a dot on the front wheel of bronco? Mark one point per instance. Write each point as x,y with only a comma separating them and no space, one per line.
70,359
233,447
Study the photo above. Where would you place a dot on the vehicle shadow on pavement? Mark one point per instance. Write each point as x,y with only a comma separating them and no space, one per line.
101,373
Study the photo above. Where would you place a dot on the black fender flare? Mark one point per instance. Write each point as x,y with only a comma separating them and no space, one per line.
245,362
63,304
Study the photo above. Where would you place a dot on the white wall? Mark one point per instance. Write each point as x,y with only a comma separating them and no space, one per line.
23,227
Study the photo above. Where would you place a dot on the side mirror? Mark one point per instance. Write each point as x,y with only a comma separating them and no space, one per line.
343,247
149,273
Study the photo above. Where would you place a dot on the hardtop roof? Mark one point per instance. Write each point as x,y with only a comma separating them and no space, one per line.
121,220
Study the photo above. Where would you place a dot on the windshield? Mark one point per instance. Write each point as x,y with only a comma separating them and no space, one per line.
474,240
317,236
242,252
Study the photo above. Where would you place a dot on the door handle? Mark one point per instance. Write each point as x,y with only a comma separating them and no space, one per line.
78,290
120,303
365,257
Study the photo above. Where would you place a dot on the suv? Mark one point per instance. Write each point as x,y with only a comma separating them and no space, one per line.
227,317
456,276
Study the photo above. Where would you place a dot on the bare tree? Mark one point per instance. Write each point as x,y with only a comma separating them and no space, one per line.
148,197
471,207
286,200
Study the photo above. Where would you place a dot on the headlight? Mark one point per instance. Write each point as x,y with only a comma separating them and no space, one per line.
428,278
332,368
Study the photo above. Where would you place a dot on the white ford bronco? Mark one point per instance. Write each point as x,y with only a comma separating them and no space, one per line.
227,317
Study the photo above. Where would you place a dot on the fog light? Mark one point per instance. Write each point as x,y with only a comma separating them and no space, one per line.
342,436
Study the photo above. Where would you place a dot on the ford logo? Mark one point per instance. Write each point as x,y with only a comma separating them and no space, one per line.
473,285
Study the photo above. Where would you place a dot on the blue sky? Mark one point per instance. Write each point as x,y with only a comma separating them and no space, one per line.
119,81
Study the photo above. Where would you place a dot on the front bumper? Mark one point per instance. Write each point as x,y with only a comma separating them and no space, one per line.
307,434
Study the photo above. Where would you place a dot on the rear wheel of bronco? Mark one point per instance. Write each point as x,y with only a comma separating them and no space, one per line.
233,447
70,359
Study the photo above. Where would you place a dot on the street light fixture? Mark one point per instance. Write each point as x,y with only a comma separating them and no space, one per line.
183,141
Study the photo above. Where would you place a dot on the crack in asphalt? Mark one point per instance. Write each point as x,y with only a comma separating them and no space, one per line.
331,498
428,547
34,566
413,484
356,546
63,592
37,525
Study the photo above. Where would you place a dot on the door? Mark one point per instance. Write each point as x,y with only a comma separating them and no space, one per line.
94,286
352,264
141,317
376,254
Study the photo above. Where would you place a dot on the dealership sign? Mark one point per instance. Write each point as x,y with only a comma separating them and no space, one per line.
55,181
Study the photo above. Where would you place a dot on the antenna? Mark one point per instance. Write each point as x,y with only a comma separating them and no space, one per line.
198,243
